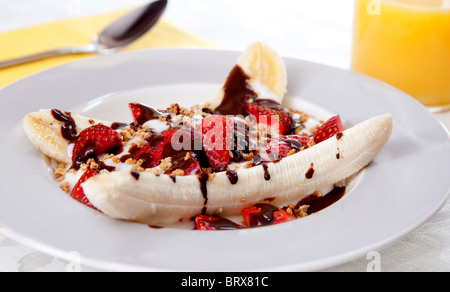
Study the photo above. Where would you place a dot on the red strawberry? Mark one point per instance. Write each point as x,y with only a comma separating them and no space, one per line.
280,146
193,168
95,141
277,149
330,128
205,222
217,140
282,216
78,193
136,111
300,138
190,165
142,113
153,152
275,118
265,214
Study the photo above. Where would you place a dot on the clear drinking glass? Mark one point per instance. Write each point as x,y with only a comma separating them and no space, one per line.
406,43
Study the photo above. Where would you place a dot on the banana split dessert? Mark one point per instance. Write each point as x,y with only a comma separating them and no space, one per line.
240,153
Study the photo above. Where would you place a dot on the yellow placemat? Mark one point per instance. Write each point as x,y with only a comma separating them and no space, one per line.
76,32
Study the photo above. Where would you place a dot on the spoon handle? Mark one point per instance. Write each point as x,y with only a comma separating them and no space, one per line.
47,54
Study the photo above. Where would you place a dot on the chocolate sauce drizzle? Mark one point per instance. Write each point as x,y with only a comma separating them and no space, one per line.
232,176
221,223
237,94
117,126
310,172
294,144
148,113
266,214
264,217
135,174
103,166
317,204
69,128
266,171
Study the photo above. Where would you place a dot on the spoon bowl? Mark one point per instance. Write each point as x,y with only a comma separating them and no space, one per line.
115,36
131,26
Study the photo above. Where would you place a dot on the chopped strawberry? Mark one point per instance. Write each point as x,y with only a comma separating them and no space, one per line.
281,146
136,111
205,222
95,141
265,214
275,118
153,152
78,193
193,168
282,216
329,129
143,113
277,149
190,165
300,138
217,140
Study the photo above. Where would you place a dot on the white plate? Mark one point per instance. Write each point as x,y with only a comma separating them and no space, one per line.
405,185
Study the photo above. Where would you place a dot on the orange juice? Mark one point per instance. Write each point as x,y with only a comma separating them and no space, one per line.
405,43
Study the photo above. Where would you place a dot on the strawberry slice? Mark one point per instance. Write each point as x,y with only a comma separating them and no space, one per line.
159,146
329,129
277,149
194,168
205,222
185,160
136,111
190,167
282,216
291,139
265,214
280,146
217,140
275,118
95,141
143,113
78,193
153,152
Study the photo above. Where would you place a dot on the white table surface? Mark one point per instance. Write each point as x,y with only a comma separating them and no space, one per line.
319,31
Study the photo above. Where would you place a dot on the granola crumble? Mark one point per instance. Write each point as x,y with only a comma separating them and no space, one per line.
65,186
60,171
178,172
166,164
302,211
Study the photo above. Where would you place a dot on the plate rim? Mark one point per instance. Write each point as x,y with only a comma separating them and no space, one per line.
324,263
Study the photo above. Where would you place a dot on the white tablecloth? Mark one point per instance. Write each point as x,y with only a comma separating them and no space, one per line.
319,31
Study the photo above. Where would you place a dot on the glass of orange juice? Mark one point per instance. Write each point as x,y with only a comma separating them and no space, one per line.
406,43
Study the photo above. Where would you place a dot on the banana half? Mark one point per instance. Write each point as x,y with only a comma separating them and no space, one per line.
160,199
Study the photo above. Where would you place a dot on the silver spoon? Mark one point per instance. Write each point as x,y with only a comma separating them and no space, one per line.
117,35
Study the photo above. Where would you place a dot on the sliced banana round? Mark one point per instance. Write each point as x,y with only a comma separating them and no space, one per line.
266,72
159,200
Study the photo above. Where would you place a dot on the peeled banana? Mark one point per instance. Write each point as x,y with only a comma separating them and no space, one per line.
157,200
